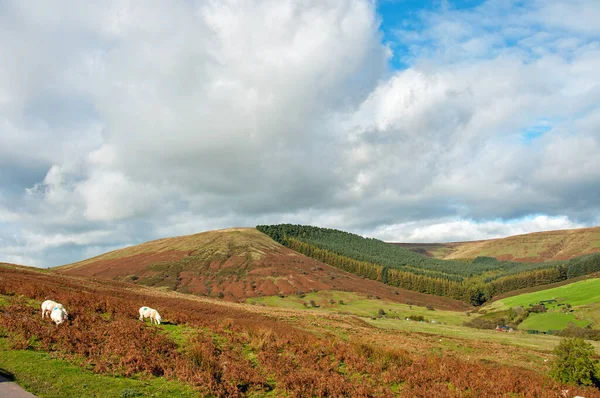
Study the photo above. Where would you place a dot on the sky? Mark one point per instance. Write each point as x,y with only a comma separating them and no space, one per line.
404,120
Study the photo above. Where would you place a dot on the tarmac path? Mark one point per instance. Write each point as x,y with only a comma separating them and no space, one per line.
10,389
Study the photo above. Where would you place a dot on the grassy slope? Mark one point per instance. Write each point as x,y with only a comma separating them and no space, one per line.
577,293
551,321
447,334
539,246
48,377
583,295
420,339
206,243
534,247
359,305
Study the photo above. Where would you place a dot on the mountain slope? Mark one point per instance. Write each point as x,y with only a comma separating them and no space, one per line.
534,247
234,264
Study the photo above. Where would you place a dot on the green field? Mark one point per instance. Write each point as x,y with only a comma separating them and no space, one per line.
582,296
355,304
576,294
448,323
539,342
551,321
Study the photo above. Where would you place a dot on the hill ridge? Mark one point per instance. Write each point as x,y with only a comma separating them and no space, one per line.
538,246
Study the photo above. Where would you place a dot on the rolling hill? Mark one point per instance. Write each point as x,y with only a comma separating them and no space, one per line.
534,247
235,264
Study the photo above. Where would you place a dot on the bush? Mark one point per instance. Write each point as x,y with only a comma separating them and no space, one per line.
430,307
538,308
485,323
574,363
583,333
380,313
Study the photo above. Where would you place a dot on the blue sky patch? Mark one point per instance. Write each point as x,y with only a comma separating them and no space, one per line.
536,130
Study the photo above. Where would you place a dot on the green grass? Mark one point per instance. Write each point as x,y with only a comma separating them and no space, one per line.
536,342
178,333
577,293
583,296
355,304
48,377
551,321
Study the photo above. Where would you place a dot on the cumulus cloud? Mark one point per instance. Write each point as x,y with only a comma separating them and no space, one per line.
124,122
435,231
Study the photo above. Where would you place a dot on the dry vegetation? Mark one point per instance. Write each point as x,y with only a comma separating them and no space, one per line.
237,350
534,247
235,264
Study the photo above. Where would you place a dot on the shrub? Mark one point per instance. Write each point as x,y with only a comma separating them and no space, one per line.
430,307
574,363
380,313
538,308
313,304
584,333
485,323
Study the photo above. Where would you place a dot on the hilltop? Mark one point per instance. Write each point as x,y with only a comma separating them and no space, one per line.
235,264
533,247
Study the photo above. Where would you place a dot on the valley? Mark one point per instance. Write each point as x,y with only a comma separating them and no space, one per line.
244,315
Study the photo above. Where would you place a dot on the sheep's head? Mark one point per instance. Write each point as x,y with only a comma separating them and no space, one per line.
158,318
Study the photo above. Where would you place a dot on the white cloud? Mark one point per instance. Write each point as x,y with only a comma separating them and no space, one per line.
123,122
436,231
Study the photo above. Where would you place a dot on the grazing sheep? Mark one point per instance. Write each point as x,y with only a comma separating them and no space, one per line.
147,312
59,315
49,305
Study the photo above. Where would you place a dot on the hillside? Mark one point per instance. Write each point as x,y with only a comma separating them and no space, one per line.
474,281
572,305
234,264
534,247
217,348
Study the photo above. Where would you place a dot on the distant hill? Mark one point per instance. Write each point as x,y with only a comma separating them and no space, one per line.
534,247
234,264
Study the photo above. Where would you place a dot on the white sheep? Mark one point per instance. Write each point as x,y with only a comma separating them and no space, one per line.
49,305
147,312
59,315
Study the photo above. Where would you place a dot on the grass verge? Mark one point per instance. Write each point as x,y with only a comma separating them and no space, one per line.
47,377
